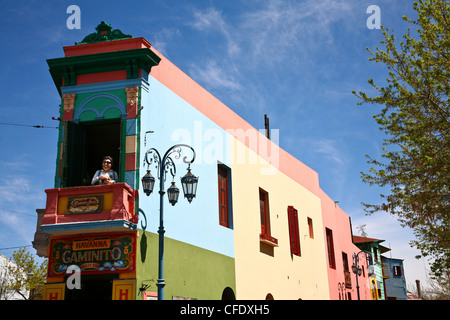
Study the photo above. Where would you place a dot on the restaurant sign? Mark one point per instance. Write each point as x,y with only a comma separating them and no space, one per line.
93,254
85,204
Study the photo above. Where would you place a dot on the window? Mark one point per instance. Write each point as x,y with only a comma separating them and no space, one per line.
264,212
265,235
293,230
310,227
369,260
347,275
397,271
84,146
375,253
330,247
345,261
224,178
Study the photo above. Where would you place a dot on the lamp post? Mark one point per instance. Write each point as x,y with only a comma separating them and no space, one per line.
357,270
189,182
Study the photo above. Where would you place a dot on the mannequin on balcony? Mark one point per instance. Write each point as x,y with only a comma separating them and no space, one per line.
106,175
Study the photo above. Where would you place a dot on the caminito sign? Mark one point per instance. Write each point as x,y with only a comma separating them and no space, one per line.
93,254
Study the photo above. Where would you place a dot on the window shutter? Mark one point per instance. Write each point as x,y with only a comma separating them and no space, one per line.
223,197
397,271
72,155
293,230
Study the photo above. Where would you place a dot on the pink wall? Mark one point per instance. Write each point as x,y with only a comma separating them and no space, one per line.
335,219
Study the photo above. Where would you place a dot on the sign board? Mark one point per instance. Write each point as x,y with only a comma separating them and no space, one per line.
85,204
124,290
93,254
54,291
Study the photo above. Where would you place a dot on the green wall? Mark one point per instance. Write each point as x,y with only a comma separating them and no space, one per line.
189,271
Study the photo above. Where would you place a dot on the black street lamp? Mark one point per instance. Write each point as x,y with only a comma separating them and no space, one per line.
188,182
357,270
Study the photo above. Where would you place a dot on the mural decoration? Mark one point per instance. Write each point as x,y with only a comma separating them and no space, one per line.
93,254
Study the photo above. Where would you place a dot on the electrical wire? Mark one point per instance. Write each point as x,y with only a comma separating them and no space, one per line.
27,125
15,247
27,214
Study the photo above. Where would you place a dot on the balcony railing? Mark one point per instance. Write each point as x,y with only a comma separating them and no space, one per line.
268,239
89,209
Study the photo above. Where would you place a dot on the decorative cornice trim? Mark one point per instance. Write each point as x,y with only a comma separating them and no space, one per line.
132,95
65,70
105,86
69,101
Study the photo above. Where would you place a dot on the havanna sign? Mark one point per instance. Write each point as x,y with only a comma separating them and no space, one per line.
93,254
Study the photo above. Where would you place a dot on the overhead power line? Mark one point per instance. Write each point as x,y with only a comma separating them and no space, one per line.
27,214
27,125
15,247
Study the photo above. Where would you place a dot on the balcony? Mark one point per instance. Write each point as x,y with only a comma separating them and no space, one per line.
268,239
89,209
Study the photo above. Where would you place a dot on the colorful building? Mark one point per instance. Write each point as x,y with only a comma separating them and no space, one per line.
394,278
376,249
259,226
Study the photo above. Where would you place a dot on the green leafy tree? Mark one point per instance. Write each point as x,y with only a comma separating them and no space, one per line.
26,275
415,117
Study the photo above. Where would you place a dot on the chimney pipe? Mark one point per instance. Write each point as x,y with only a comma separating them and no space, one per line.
266,125
419,292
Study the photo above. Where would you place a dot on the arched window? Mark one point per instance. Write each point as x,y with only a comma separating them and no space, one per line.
228,294
269,296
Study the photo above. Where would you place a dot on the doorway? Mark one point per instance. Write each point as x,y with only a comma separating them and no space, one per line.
101,140
85,145
93,287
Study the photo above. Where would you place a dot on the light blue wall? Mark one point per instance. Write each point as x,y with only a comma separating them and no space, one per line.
173,121
395,285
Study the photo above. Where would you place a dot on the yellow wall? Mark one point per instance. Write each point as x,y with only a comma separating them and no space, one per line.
283,275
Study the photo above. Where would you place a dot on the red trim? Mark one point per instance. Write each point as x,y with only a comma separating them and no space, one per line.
130,162
67,116
101,77
106,46
131,110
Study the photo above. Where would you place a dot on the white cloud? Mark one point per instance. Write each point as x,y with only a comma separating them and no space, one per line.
14,188
274,36
216,77
330,150
290,29
211,19
164,37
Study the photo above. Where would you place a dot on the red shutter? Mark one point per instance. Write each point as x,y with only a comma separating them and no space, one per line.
397,271
223,197
293,230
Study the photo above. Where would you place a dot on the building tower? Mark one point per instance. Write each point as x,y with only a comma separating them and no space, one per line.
108,109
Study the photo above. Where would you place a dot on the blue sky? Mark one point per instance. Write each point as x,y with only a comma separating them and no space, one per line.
296,61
